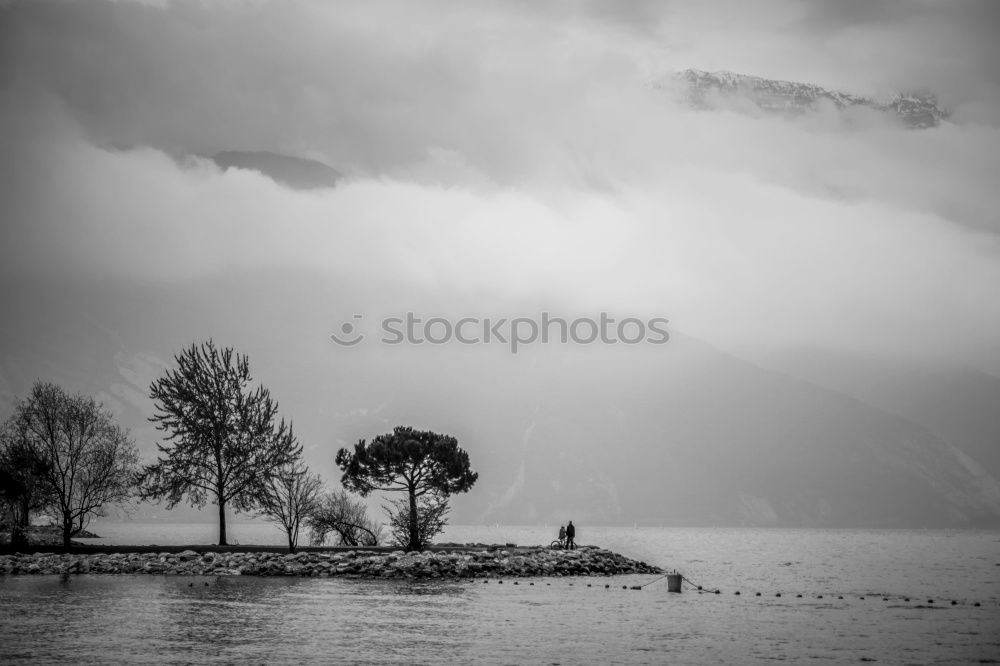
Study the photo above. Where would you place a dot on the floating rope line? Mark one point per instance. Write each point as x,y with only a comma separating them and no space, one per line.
699,587
885,597
683,578
639,587
912,601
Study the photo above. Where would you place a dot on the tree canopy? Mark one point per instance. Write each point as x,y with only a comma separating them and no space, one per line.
83,459
416,462
223,438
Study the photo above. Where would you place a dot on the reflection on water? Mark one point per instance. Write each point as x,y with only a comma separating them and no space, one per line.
176,619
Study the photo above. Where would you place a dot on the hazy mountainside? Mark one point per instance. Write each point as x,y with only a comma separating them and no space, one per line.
703,438
706,90
958,404
678,434
294,172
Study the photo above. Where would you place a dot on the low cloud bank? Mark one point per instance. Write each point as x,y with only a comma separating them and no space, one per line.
510,155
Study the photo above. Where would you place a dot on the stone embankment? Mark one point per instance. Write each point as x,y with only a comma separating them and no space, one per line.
520,562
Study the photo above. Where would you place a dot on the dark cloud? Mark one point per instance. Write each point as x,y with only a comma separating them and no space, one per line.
949,48
826,17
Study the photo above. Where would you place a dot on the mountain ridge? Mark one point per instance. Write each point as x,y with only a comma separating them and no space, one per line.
705,90
295,172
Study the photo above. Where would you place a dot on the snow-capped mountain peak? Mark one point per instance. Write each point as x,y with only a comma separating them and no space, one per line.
704,90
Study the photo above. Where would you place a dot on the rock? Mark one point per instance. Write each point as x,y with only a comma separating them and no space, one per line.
397,564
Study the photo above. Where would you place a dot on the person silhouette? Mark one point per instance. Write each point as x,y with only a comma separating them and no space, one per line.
562,535
570,535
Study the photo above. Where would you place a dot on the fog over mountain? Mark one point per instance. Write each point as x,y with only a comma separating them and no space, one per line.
828,271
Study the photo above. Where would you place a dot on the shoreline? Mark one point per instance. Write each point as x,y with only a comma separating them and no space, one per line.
445,562
42,536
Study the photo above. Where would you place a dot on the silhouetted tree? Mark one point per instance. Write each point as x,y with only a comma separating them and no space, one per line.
85,460
288,497
22,486
416,462
222,439
338,513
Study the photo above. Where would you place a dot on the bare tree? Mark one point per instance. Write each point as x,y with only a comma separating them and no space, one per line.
86,461
223,439
290,496
338,513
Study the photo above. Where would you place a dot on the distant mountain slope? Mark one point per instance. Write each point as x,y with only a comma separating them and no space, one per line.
706,89
958,404
703,438
683,434
294,172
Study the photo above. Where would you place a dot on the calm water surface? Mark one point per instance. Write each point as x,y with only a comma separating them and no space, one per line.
172,619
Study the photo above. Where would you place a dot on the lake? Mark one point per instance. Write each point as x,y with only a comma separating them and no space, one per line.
172,619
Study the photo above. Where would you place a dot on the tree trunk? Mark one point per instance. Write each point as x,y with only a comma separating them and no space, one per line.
67,531
222,523
18,536
414,528
23,519
20,522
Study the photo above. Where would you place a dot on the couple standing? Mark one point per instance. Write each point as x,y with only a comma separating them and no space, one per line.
567,535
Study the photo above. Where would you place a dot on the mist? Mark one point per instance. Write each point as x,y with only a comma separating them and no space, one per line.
499,161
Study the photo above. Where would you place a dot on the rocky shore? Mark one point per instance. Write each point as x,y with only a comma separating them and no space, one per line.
495,562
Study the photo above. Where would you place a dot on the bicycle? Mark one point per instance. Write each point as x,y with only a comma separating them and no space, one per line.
558,544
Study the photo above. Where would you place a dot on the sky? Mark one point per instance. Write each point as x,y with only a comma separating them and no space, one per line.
505,158
510,150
